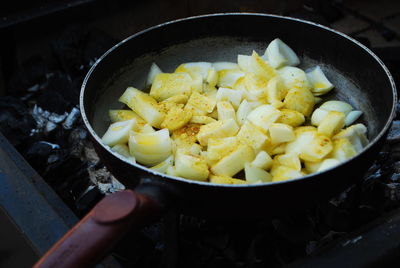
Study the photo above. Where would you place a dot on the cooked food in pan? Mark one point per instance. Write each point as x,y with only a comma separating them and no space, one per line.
261,115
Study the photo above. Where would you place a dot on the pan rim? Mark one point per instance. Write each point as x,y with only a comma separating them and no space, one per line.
94,135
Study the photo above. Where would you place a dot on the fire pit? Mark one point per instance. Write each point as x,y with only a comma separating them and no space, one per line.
41,120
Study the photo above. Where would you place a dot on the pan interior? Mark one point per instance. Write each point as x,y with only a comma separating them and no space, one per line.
358,91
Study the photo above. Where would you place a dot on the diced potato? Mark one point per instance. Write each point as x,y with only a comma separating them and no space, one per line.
356,134
318,115
244,62
291,118
342,150
280,54
300,130
281,133
144,105
262,160
212,77
190,166
194,68
300,99
294,77
232,95
218,129
197,82
176,117
150,148
228,78
164,165
123,115
312,167
234,161
256,86
186,135
218,148
119,132
319,83
339,106
171,171
201,119
327,164
154,71
289,160
224,65
123,150
166,85
251,135
225,110
277,149
319,147
263,116
255,174
180,99
225,180
259,67
352,117
276,91
244,110
146,129
331,124
201,102
283,173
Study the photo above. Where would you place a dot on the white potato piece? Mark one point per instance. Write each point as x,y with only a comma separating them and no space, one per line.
244,62
218,129
339,106
192,68
302,140
225,180
201,119
232,95
253,136
342,150
144,105
332,123
294,77
263,116
319,147
328,163
164,165
234,162
283,173
352,117
225,110
228,78
244,110
118,132
150,148
201,102
123,115
212,78
123,150
356,134
319,83
276,91
288,160
219,147
262,160
280,54
281,133
318,115
255,174
225,65
154,71
193,167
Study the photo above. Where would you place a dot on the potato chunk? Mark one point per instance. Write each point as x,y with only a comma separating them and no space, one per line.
255,174
234,161
193,167
218,148
150,148
332,123
166,85
118,132
225,180
281,133
300,99
291,118
176,118
218,129
251,135
318,148
123,115
225,110
262,160
144,105
263,116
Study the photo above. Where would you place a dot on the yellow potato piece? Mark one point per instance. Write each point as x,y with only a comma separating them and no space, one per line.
191,166
186,135
251,135
123,115
291,118
300,99
332,123
283,173
234,161
166,85
218,129
342,149
176,118
317,149
225,180
201,102
219,147
281,133
289,160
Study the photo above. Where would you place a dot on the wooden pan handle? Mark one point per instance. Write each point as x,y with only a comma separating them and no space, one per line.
92,237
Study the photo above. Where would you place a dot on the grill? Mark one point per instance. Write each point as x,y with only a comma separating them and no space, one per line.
51,176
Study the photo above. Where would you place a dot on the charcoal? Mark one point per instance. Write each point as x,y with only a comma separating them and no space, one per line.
72,118
394,132
88,200
15,121
64,86
395,177
53,101
39,153
29,74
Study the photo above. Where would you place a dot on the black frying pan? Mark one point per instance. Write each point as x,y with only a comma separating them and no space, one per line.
359,76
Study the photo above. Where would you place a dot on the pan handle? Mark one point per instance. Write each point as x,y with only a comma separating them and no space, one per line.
92,237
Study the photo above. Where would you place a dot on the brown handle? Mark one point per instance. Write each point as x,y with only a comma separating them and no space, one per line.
91,238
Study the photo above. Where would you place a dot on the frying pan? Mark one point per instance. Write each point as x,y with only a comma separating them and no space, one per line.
359,76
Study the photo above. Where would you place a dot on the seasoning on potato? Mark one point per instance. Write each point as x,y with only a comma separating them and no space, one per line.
257,117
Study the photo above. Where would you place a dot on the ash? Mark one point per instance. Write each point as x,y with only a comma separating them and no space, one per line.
42,120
